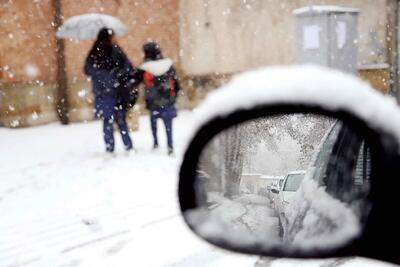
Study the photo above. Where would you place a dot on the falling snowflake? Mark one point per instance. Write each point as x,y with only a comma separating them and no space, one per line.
31,70
82,93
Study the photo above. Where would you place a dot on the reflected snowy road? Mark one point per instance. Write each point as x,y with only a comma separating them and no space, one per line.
250,214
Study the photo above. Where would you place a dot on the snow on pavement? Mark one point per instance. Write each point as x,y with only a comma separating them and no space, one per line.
62,203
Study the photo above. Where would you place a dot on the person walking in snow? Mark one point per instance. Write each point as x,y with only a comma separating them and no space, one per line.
161,87
108,66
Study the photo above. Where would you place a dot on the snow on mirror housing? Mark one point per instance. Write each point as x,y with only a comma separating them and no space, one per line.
295,99
293,182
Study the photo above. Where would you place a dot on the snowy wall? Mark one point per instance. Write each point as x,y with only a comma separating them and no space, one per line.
228,36
27,45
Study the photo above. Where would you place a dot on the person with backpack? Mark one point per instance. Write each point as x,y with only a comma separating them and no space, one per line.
111,73
161,87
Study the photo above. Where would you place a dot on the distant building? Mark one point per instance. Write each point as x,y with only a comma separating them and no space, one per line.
255,183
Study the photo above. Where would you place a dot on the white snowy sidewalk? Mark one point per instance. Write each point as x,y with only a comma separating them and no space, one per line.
62,203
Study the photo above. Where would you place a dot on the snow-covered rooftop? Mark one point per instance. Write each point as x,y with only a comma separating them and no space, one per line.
324,9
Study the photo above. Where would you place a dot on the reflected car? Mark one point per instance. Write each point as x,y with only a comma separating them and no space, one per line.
274,187
290,185
350,187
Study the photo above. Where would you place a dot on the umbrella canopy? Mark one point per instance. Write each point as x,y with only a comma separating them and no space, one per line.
87,26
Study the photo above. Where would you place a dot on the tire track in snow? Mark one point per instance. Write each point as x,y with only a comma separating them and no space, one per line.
80,234
60,227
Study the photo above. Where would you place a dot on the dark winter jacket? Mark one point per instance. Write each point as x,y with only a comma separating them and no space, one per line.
160,83
107,80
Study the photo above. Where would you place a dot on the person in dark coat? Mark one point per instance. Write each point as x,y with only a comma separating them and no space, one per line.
161,87
106,64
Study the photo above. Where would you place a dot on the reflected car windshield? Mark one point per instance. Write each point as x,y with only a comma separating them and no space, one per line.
293,182
325,152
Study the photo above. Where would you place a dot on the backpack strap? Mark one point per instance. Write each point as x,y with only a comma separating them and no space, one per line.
171,82
148,79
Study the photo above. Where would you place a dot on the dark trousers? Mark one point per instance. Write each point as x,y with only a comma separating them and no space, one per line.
118,116
154,115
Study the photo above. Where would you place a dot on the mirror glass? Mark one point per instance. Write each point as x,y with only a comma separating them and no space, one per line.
297,181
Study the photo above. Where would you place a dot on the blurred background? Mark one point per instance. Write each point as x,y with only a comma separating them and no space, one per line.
42,81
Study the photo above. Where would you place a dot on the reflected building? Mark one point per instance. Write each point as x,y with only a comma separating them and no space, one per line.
255,183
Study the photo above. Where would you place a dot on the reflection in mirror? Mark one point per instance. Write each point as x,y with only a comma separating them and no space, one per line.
290,181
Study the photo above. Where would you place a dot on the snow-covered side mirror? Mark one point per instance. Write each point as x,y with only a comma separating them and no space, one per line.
337,157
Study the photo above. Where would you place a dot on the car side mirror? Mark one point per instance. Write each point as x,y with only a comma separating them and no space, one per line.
316,215
274,190
334,209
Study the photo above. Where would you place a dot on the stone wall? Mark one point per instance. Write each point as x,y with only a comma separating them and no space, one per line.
27,63
27,44
27,104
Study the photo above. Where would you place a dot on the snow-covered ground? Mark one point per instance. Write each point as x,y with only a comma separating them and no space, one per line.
62,203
